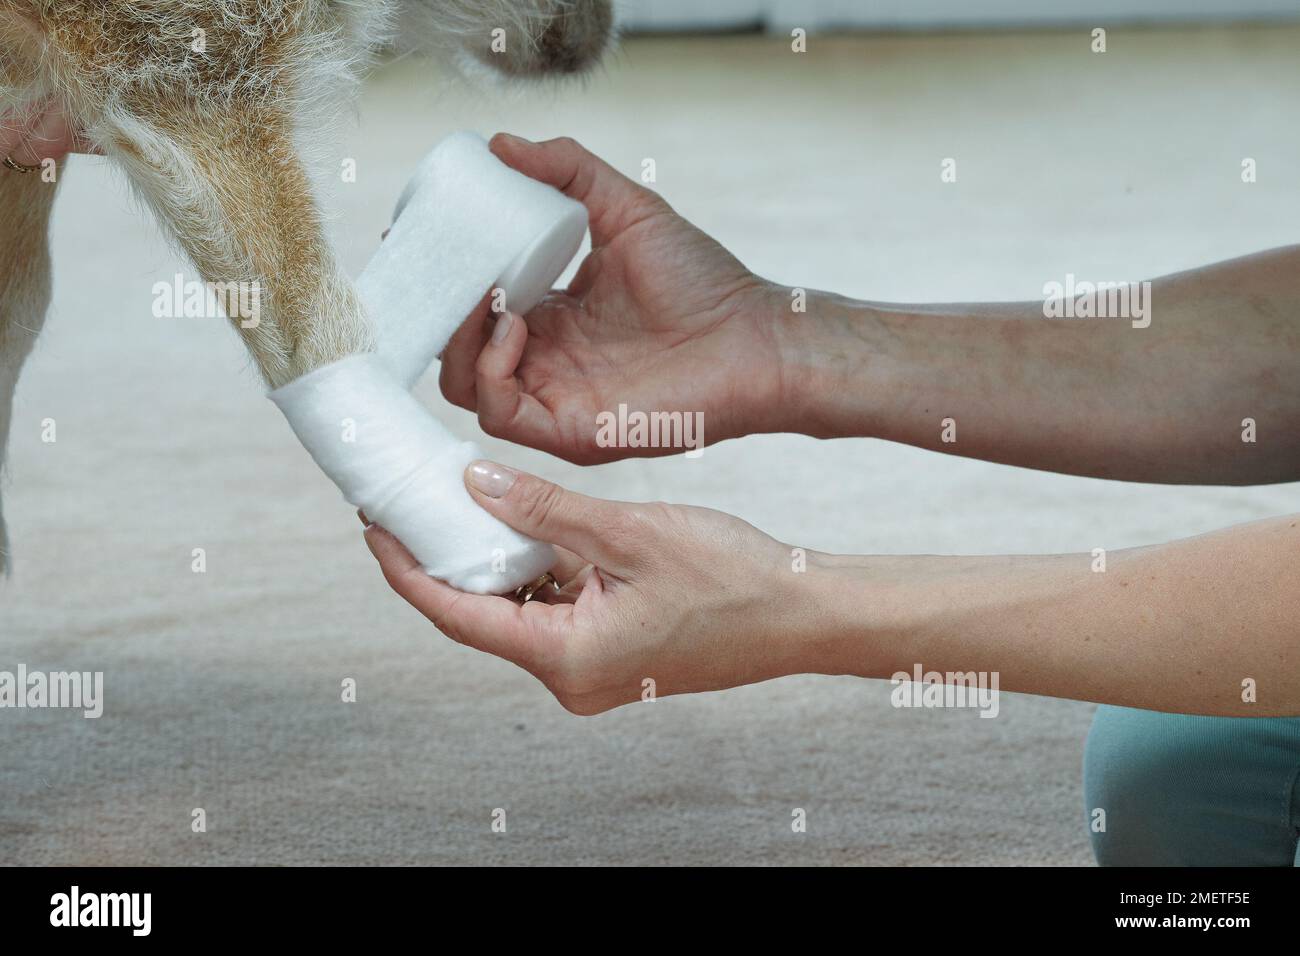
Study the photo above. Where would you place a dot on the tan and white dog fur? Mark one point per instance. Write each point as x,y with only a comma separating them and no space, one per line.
202,104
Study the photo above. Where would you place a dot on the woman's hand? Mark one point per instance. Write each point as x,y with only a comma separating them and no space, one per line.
679,599
29,138
659,318
686,599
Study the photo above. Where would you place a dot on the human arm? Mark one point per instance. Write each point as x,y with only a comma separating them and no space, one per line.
695,600
1087,396
661,317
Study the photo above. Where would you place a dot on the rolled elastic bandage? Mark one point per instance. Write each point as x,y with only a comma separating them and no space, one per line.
465,224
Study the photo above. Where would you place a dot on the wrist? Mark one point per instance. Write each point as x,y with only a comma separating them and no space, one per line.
858,615
836,358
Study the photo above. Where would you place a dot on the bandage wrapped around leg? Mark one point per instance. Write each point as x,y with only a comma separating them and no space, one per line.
466,223
397,463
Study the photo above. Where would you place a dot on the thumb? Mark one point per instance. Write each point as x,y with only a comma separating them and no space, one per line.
589,527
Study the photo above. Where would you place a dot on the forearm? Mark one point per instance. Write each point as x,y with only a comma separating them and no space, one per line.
1089,396
1187,627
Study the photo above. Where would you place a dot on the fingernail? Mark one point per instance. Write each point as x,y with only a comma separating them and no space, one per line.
490,478
362,515
516,139
502,327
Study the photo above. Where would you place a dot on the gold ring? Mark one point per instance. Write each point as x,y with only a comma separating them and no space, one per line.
19,167
526,593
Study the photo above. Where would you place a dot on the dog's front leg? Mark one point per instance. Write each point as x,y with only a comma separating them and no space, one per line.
25,204
226,180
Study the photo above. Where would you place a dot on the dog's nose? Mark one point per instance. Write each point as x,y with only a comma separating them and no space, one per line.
577,37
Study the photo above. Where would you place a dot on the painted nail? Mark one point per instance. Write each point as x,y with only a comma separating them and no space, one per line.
499,331
490,478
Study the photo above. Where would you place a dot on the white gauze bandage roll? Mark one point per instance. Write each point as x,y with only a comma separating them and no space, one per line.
397,463
467,223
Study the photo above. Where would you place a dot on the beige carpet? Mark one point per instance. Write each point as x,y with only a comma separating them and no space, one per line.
822,169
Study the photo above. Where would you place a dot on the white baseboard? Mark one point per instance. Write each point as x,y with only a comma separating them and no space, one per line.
782,15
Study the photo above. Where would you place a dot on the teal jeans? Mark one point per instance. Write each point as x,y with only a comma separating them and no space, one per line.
1192,791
